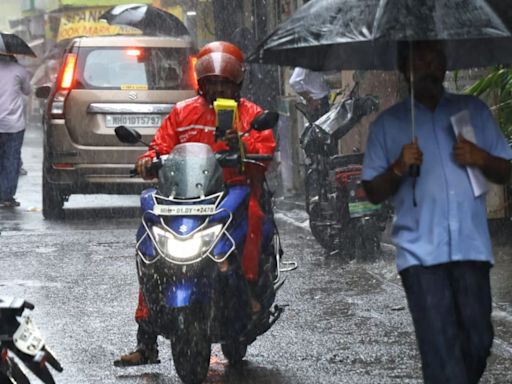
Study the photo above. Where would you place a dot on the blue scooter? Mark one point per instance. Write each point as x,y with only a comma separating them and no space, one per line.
188,253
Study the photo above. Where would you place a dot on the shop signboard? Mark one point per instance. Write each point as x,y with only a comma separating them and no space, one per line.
98,3
85,22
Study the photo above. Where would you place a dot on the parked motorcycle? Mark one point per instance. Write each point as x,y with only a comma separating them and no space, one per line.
340,216
188,252
20,337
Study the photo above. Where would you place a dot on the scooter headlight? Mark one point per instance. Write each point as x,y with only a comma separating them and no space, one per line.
185,249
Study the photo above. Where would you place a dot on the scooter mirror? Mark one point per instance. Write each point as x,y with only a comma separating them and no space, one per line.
127,135
265,120
302,108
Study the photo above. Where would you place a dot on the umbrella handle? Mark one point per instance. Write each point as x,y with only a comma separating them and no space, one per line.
414,170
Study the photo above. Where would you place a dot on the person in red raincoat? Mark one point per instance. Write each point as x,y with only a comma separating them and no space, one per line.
220,72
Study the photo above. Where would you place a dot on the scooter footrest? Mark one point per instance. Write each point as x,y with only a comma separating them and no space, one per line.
275,314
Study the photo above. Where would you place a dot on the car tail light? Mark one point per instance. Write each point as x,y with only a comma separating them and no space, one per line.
68,74
133,52
63,166
192,71
66,81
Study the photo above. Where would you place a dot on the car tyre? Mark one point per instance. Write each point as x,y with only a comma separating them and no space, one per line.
53,201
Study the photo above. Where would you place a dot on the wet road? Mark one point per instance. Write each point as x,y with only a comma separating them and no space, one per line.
345,322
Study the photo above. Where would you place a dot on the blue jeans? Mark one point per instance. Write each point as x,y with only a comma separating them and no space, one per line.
451,309
10,163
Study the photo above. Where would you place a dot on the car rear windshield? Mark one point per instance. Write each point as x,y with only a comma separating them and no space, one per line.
134,68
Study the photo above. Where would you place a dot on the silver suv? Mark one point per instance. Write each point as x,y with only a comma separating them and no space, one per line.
105,82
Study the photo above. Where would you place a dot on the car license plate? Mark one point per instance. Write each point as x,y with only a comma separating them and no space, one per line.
184,210
139,121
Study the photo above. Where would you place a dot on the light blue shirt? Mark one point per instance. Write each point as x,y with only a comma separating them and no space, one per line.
15,83
449,223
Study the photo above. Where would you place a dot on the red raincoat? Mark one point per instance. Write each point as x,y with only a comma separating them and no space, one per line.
194,120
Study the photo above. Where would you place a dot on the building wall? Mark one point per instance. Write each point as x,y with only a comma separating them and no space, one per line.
47,5
387,86
10,10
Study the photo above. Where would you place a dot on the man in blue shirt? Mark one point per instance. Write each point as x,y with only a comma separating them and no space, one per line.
440,230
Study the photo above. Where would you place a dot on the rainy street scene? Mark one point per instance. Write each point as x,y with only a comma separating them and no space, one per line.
255,191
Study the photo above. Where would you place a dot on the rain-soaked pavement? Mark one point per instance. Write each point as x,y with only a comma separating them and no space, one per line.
346,322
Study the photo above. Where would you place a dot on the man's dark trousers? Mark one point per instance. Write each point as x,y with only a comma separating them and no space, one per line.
10,163
451,309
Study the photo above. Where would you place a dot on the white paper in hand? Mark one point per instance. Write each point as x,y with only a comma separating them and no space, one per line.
461,124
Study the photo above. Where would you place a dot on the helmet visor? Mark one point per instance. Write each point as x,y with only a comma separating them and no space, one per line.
220,64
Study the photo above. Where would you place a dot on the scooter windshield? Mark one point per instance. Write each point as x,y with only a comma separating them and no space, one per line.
190,171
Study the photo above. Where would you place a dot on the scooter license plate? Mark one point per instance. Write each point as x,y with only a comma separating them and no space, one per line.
362,208
184,210
27,337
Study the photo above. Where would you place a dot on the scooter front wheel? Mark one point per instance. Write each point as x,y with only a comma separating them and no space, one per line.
191,346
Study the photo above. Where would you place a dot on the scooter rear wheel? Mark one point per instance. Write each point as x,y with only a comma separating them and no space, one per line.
234,351
325,232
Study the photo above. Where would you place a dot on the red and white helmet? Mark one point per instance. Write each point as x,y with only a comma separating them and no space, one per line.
220,58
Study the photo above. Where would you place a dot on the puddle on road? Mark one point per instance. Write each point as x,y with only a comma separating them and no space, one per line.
27,283
45,250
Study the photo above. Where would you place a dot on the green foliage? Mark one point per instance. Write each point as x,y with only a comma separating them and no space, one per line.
496,90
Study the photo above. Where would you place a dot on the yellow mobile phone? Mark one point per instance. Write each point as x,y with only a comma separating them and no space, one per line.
225,111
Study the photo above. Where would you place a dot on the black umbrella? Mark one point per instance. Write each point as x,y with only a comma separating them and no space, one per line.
150,20
362,34
11,44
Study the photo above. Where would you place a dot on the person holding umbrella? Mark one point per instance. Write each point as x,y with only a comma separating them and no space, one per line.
443,245
15,81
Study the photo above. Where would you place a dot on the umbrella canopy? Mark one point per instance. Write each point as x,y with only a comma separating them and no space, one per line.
363,34
150,20
11,44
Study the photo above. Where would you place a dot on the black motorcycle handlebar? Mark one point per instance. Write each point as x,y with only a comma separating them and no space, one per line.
155,166
259,157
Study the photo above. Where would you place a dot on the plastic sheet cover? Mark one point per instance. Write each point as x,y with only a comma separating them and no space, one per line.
345,115
363,34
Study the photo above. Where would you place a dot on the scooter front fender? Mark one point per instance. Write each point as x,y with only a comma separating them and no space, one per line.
187,292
